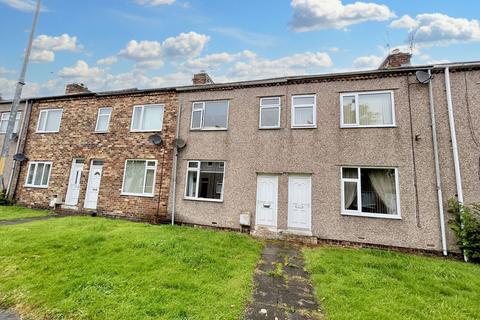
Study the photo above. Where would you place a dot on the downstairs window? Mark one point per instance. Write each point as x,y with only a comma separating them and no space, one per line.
371,192
205,180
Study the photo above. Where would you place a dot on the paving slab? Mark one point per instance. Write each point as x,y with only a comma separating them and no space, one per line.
8,315
283,290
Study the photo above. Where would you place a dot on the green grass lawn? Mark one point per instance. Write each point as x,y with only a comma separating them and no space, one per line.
14,212
375,284
95,268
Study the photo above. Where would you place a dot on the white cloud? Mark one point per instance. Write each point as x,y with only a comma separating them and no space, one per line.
152,54
311,15
152,3
142,50
300,63
44,47
189,44
107,61
80,71
432,29
367,62
42,56
213,61
22,5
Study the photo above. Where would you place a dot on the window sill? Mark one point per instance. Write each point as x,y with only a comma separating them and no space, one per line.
146,131
100,132
210,129
41,132
137,195
304,127
269,128
372,215
366,127
203,200
35,187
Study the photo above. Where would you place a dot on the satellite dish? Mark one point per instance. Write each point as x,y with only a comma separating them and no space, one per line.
20,157
155,139
423,76
180,143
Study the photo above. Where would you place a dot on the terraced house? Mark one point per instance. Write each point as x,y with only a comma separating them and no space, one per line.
91,151
367,157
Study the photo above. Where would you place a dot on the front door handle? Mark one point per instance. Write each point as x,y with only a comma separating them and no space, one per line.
266,205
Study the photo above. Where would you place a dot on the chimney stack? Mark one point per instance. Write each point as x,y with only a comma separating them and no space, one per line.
202,78
74,88
396,59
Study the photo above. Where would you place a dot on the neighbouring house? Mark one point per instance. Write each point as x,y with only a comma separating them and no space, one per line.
107,152
5,107
345,157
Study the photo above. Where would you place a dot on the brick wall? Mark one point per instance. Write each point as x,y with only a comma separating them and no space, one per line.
77,139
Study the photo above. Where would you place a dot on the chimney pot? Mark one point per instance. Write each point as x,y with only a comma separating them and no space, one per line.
73,88
201,78
396,59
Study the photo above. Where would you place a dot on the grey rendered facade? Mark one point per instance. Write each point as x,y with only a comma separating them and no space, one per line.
320,152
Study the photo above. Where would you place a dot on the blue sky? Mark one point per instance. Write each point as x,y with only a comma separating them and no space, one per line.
115,44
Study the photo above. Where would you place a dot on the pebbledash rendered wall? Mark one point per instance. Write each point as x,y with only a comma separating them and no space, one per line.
5,107
248,151
77,140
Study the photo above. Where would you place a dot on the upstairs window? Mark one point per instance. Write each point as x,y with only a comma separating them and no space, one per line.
103,119
139,177
210,115
371,192
147,118
205,180
49,120
4,122
304,113
367,109
38,174
270,113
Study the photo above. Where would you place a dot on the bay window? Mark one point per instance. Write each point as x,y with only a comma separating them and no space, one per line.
204,180
371,192
367,109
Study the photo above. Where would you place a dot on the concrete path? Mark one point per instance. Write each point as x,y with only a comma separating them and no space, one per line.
283,290
8,315
25,220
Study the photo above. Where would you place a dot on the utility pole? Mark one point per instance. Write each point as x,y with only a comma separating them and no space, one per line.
16,99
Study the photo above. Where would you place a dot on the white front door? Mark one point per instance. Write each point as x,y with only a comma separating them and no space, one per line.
73,191
299,202
93,186
267,191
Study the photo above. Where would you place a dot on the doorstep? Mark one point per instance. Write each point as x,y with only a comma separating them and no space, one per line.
292,235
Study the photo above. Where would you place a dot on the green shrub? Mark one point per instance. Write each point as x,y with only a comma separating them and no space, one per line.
4,201
466,226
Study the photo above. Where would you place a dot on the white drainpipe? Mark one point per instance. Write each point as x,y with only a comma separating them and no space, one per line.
175,160
437,168
453,135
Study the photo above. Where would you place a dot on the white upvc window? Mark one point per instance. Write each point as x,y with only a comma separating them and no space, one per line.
270,113
38,174
304,111
205,180
370,192
49,120
367,109
103,119
139,177
210,115
147,118
4,122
